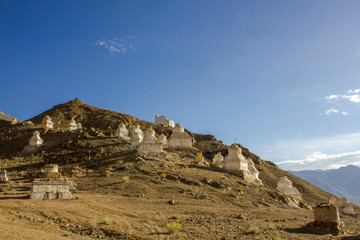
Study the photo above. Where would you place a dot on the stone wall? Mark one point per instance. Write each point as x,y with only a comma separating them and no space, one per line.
51,190
327,216
162,120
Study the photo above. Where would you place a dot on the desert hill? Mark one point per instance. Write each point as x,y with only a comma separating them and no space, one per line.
141,194
6,119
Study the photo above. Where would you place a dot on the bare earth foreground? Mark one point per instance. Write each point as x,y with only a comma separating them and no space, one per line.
124,196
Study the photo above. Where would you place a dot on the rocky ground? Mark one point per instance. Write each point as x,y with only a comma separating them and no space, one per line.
124,196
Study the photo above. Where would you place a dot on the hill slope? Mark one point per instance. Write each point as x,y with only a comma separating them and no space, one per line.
6,119
136,192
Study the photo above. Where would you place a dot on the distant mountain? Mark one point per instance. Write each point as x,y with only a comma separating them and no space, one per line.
6,120
343,182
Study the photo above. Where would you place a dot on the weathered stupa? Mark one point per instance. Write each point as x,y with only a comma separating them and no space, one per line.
285,187
121,131
47,123
236,162
179,138
327,216
150,144
343,204
136,137
163,139
218,159
136,129
72,125
34,142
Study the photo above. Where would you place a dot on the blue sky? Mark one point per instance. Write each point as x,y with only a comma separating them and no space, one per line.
278,77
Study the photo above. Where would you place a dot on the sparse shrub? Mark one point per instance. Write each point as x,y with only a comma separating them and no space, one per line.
276,238
271,226
254,230
125,178
175,217
239,189
106,220
67,234
163,175
107,173
200,156
93,222
173,227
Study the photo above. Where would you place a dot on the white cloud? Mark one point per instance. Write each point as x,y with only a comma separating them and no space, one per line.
319,160
334,111
352,96
117,45
332,97
354,91
331,111
303,148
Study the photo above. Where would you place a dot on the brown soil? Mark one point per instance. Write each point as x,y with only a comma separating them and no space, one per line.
124,196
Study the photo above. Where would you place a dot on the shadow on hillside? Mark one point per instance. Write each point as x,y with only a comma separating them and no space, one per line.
351,238
14,197
308,230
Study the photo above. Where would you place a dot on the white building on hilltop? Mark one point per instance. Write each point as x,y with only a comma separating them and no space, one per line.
162,120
